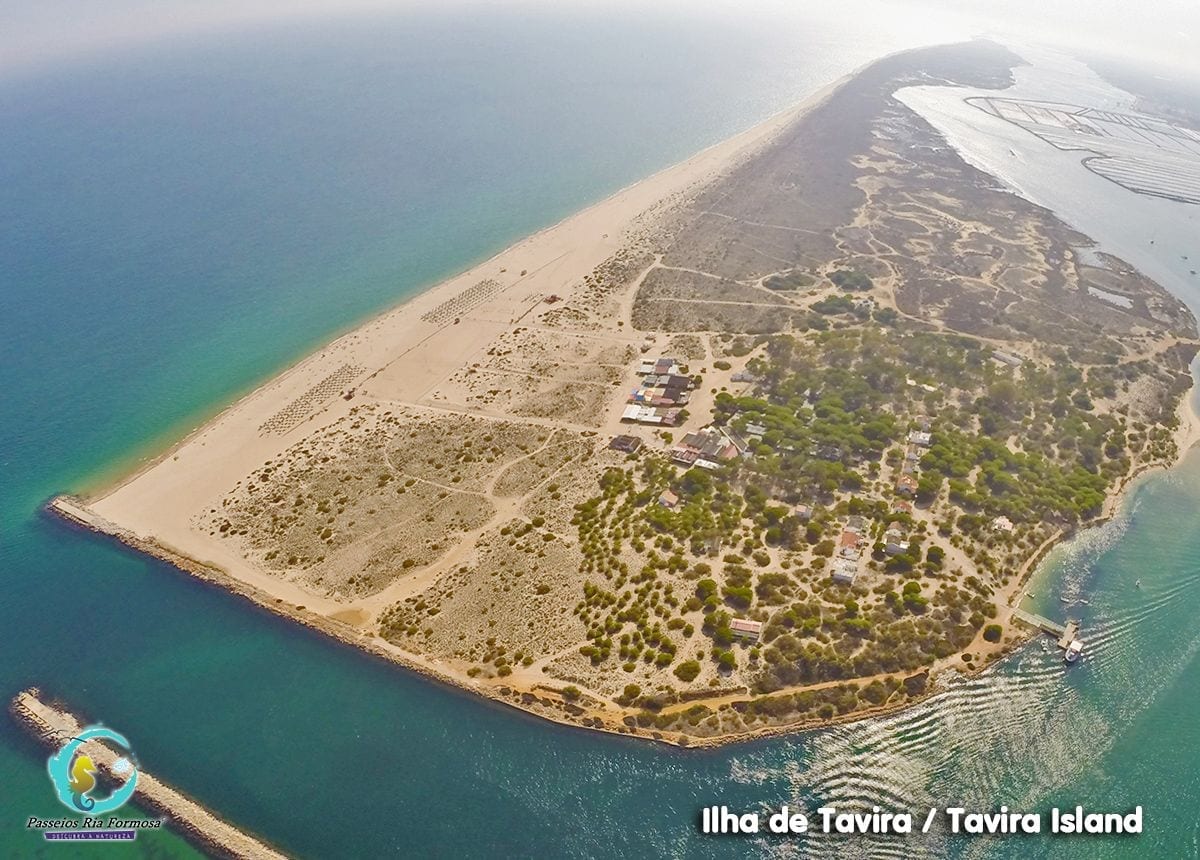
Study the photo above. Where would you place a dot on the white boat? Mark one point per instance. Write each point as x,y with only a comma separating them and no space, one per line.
1073,651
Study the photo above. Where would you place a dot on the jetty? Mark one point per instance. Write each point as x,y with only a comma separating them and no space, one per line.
1065,634
51,725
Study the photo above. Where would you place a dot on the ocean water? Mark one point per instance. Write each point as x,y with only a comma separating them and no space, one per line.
181,220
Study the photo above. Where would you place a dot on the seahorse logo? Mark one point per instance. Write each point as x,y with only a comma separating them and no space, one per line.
73,773
83,780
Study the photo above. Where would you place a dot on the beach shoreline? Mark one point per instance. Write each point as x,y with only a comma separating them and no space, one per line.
725,155
123,511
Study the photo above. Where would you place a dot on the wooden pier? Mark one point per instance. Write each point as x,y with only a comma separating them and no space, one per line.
1065,634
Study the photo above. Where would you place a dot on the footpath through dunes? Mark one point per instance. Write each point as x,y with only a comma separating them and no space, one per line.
344,486
51,725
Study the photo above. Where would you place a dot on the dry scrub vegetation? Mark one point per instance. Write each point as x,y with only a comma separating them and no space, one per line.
384,494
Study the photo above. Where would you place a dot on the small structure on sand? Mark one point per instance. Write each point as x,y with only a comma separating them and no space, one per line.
744,628
705,448
637,414
845,571
921,437
894,542
626,444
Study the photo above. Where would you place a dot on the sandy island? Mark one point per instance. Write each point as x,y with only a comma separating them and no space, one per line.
475,418
400,357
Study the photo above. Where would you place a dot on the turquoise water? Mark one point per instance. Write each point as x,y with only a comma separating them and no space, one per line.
181,221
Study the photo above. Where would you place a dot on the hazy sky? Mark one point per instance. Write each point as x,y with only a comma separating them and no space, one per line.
46,32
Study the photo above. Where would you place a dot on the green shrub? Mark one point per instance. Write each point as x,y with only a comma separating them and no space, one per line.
849,279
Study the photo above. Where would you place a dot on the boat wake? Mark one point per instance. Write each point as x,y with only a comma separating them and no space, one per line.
987,733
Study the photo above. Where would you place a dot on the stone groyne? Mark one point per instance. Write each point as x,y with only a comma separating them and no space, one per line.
51,724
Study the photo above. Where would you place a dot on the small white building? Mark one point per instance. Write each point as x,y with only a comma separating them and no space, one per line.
845,571
641,414
1002,524
746,629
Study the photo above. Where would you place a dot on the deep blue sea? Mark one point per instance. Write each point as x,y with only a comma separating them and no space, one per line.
180,220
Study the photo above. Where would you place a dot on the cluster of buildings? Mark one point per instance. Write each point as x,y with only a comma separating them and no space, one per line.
662,394
849,550
918,441
707,448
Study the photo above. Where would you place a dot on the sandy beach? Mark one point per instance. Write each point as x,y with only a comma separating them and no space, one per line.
401,355
406,357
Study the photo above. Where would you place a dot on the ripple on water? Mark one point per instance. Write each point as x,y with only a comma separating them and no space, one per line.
964,736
